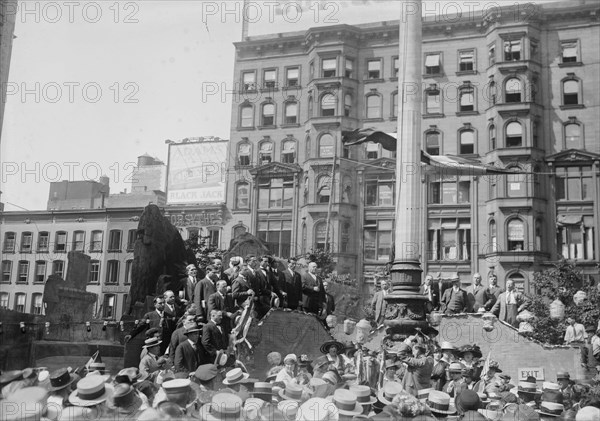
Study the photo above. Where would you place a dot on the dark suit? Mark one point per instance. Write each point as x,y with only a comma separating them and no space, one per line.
495,291
176,338
187,359
239,291
186,285
453,303
213,340
262,288
479,296
217,302
434,299
329,303
291,284
155,322
312,301
204,289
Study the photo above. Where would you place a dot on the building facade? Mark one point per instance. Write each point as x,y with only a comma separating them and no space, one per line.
505,87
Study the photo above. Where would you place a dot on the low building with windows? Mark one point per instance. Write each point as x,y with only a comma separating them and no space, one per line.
505,86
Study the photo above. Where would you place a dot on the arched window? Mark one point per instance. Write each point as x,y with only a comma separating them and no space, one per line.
373,106
516,184
320,236
323,189
519,281
244,153
247,115
291,112
268,114
514,134
265,153
573,136
328,105
571,92
310,106
432,142
288,152
347,105
467,142
492,136
493,236
513,89
515,235
242,195
326,146
238,230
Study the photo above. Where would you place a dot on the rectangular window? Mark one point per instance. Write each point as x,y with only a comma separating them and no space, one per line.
374,69
449,240
491,55
378,240
467,99
108,307
291,113
275,193
78,240
269,79
434,103
379,192
574,183
349,68
94,272
23,273
114,240
40,272
244,154
20,303
432,64
112,272
249,81
4,297
466,60
214,237
10,239
131,237
37,305
577,241
292,76
58,268
449,192
277,236
96,243
512,50
26,242
329,67
60,245
372,150
569,51
128,269
43,242
6,271
395,64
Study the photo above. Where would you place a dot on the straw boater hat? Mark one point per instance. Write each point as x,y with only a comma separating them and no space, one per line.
551,392
551,409
10,376
440,403
325,347
263,390
289,409
150,342
563,375
528,387
91,390
389,391
192,330
59,379
346,402
455,368
422,394
447,346
291,392
363,394
224,406
235,376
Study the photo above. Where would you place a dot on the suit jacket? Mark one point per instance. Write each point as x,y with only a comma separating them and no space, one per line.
499,308
204,289
455,388
213,340
239,291
435,294
176,338
329,303
457,303
418,374
479,296
291,284
217,302
378,304
187,287
148,364
495,291
187,359
312,300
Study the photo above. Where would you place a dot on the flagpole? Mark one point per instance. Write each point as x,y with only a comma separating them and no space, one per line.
245,23
330,203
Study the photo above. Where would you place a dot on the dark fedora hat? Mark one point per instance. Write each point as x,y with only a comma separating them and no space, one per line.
59,379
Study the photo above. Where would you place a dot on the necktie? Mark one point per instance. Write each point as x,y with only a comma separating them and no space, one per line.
220,330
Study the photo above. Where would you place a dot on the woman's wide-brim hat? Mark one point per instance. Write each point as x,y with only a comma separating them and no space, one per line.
91,391
327,345
59,379
472,349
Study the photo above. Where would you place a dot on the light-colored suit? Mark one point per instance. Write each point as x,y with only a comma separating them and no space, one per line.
149,365
378,304
499,308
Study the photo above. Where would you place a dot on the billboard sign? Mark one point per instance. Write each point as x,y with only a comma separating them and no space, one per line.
197,172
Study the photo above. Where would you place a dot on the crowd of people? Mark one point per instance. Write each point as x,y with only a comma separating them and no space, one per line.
188,369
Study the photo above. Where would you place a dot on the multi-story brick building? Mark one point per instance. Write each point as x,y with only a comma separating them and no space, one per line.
512,87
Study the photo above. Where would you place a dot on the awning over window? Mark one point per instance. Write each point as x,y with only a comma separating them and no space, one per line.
568,220
432,60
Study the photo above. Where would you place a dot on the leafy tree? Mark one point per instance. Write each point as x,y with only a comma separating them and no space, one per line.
323,259
561,281
203,250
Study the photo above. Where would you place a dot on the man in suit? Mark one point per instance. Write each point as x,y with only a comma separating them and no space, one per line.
213,335
478,296
291,285
269,278
241,290
313,292
218,264
154,319
187,354
329,300
173,308
431,292
494,289
455,299
379,304
188,284
152,362
223,302
509,304
204,289
179,335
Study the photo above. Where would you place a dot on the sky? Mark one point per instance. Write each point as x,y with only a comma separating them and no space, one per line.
95,84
